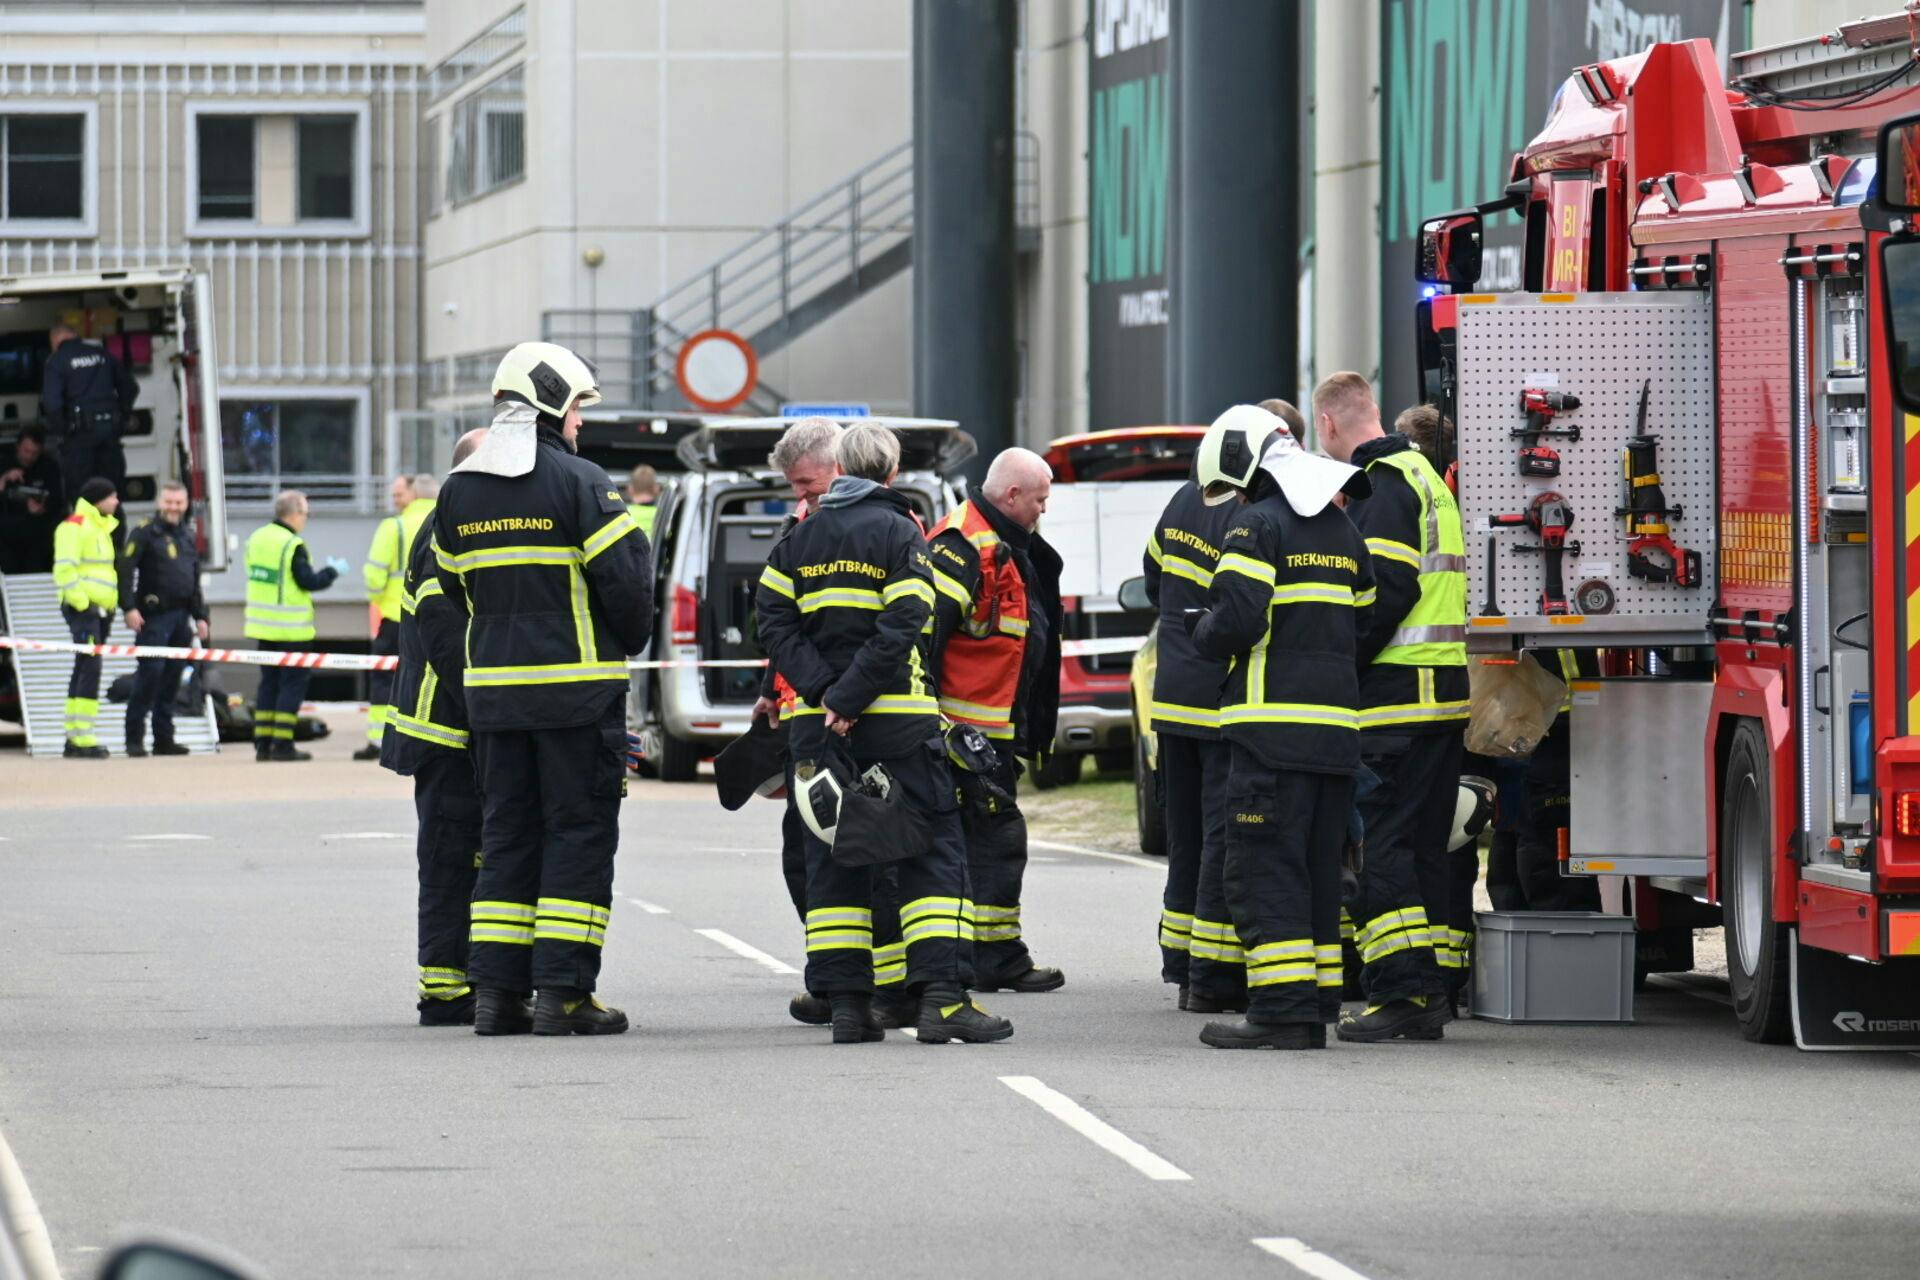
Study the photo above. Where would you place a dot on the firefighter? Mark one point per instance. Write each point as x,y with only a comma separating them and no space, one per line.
843,608
643,498
281,581
85,397
161,597
1289,598
1540,884
806,455
385,572
429,743
1199,950
1413,943
536,549
83,573
996,661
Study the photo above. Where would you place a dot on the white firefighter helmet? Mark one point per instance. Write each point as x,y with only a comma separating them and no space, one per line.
1229,454
547,376
1472,810
818,799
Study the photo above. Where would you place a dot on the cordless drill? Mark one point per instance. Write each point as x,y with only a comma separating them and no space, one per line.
1541,407
1549,516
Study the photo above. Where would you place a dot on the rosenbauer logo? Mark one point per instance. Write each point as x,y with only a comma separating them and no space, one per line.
1856,1023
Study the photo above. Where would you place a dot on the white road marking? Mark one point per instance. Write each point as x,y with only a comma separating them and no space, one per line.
1152,864
1098,1131
29,1228
1307,1260
651,908
170,835
365,835
752,953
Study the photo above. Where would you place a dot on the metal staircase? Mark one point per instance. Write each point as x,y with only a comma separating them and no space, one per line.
32,612
782,282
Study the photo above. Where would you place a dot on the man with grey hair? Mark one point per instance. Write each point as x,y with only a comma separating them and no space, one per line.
279,616
996,661
843,609
385,572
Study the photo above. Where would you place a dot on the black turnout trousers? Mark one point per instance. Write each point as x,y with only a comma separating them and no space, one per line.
1403,865
996,869
551,808
1193,787
1285,831
931,918
447,802
1548,806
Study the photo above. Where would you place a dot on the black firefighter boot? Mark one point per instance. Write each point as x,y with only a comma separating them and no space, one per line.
1033,980
1420,1018
500,1013
561,1011
457,1012
1264,1035
853,1020
810,1009
948,1013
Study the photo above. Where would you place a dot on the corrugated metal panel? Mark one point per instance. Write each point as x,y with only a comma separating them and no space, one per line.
33,612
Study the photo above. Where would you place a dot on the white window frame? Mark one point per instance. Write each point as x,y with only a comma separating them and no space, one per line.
358,227
87,225
442,118
362,397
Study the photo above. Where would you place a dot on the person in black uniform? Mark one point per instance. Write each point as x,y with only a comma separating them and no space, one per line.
843,607
427,740
538,550
33,501
160,595
1289,596
1199,951
85,399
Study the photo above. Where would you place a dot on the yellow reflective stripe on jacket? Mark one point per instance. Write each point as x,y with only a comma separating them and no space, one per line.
774,580
1290,713
607,534
1174,713
1234,562
915,587
496,557
841,598
427,731
1313,593
1388,549
552,673
1154,552
947,585
1181,567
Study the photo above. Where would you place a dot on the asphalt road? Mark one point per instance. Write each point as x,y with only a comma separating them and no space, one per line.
206,1024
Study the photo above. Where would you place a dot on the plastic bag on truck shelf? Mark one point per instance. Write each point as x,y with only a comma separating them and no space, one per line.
1514,702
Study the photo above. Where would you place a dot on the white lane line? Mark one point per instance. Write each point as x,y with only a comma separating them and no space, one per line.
1098,1131
170,835
1152,864
365,835
29,1228
1308,1260
651,908
752,953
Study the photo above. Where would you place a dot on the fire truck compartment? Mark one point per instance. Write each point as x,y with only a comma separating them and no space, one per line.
1639,777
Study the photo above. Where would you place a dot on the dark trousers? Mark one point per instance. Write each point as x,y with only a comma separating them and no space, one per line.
276,707
1548,808
156,681
793,852
551,799
996,868
1407,819
1193,780
1285,832
85,626
93,449
924,894
386,643
446,799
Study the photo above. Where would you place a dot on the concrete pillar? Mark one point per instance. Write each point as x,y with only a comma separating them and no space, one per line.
1346,210
963,251
1235,191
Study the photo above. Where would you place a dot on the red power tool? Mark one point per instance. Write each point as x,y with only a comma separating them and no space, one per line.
1541,408
1549,516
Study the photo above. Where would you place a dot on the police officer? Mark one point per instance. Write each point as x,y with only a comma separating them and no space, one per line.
85,398
843,605
428,741
537,549
1289,597
996,659
1199,950
279,616
160,594
1413,947
83,573
385,571
643,498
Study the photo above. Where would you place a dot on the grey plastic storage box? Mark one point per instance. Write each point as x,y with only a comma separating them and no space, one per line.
1553,966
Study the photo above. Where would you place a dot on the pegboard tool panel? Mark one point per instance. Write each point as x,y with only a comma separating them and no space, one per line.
1599,347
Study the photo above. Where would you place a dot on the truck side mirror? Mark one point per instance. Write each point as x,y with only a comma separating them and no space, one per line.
1133,596
1450,249
1898,163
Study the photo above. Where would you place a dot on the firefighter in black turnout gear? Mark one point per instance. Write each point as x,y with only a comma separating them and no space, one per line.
843,607
1289,597
85,397
427,739
538,550
1199,950
996,662
1411,913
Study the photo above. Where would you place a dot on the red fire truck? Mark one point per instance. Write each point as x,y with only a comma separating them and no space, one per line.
1693,445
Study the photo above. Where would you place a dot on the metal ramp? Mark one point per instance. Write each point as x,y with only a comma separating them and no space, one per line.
32,612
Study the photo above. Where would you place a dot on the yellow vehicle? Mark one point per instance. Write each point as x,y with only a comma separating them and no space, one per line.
1148,814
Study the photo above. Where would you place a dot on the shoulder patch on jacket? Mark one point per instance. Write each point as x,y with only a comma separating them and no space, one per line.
610,500
943,549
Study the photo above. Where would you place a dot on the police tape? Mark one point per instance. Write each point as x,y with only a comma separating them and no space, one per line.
387,662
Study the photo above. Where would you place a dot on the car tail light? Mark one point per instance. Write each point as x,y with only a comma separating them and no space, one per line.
1906,813
686,616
